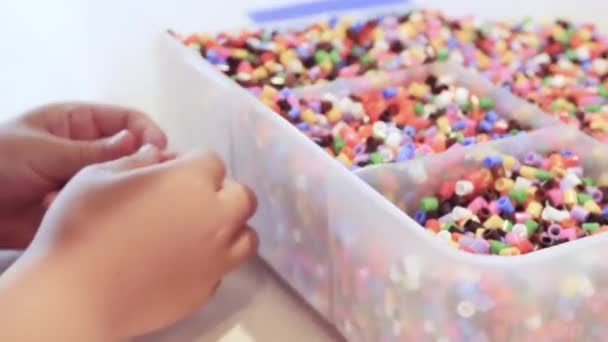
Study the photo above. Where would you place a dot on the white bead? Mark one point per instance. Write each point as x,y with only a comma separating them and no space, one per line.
296,66
329,97
582,53
461,95
379,130
429,109
600,66
466,309
381,45
443,100
338,128
357,110
520,230
393,139
543,58
522,183
445,236
463,188
456,57
558,81
322,120
552,214
461,213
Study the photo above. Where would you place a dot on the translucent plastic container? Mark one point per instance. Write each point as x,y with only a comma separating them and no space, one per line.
398,282
360,261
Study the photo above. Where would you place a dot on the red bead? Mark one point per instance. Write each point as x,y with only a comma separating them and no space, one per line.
446,190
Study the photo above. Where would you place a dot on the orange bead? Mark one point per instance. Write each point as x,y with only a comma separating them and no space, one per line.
569,223
365,131
433,225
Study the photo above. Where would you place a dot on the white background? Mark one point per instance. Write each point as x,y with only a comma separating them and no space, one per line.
104,50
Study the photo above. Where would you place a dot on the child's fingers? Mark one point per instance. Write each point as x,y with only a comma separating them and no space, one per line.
147,155
238,202
245,245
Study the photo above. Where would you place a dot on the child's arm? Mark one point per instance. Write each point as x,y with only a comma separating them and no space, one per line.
126,248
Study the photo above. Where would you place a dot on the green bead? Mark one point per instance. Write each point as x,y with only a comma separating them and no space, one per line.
448,225
543,175
486,103
335,56
366,59
593,108
376,158
321,56
429,203
591,226
532,226
588,181
555,106
419,108
514,131
465,106
519,195
443,54
583,197
251,57
497,246
571,54
507,226
459,136
338,145
603,90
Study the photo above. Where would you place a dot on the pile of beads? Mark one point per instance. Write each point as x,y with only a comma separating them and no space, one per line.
394,124
512,207
560,66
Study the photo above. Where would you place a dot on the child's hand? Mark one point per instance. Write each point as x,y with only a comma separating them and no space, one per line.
41,150
147,241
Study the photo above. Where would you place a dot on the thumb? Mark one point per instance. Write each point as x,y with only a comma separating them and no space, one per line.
82,153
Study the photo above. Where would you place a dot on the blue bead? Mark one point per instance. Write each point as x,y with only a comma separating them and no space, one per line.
505,205
566,153
302,52
452,43
211,53
389,92
333,21
587,65
492,161
485,126
459,125
468,141
405,153
303,126
409,130
285,92
358,26
315,106
492,116
605,211
420,217
294,113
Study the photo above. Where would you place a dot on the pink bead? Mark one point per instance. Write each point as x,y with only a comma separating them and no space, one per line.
545,164
556,196
477,204
493,207
522,217
569,234
511,238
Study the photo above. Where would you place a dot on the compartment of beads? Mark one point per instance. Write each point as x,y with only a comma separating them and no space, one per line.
399,282
407,114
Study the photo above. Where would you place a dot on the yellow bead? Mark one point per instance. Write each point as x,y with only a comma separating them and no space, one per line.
418,89
334,115
479,232
344,160
508,162
326,66
511,251
534,208
527,172
569,197
407,30
532,191
239,53
444,125
309,116
268,92
503,185
501,46
494,222
592,207
585,34
259,73
557,171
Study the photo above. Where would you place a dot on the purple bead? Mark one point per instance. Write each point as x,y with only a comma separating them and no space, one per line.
359,149
555,231
595,193
532,158
579,213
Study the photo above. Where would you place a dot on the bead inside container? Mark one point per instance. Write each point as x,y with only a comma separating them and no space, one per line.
412,285
404,115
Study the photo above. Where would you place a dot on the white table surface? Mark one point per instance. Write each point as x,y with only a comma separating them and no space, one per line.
104,50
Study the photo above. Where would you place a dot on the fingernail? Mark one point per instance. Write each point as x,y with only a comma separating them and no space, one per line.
147,148
118,137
